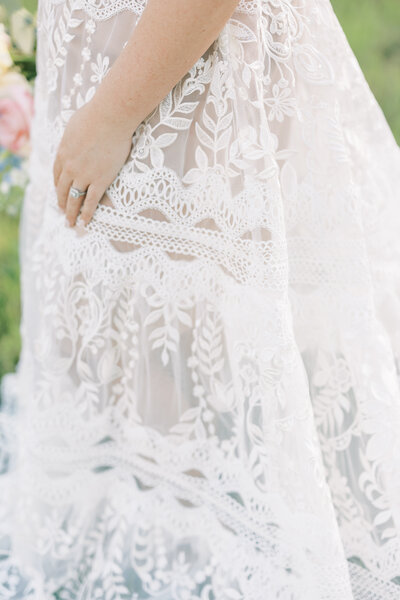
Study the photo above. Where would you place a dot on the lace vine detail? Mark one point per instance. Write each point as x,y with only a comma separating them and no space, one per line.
169,367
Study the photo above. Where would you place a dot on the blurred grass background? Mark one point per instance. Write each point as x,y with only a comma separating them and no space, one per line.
373,30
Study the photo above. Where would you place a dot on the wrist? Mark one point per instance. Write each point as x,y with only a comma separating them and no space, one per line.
119,115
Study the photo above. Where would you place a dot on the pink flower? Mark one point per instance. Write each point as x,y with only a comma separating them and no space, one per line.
16,112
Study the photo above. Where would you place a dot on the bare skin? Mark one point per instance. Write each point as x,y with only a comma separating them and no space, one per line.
169,38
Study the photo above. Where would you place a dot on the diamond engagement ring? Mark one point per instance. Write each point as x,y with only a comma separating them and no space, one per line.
75,193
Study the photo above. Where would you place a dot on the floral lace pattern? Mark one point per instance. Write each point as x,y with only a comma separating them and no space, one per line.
206,404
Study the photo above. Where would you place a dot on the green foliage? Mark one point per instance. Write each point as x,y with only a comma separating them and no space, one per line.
10,308
12,5
373,30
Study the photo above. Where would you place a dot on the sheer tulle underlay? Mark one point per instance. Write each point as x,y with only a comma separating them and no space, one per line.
207,402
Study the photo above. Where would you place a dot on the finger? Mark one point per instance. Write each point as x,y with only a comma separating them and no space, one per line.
92,198
74,204
63,185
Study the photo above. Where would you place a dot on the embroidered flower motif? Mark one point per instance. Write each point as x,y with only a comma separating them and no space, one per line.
99,68
86,53
90,26
53,536
77,79
333,374
278,24
281,103
146,144
114,374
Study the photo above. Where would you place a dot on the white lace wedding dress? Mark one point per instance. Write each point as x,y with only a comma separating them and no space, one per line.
207,402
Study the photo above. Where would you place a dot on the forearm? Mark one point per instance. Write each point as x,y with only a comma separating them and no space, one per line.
169,38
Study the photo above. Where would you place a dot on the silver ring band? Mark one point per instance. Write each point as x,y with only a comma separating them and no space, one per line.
75,193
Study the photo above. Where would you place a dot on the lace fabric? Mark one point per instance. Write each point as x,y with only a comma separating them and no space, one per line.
207,404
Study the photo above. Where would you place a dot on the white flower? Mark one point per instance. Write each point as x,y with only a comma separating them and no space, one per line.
4,186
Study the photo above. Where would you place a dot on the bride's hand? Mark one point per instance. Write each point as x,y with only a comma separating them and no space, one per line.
90,154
